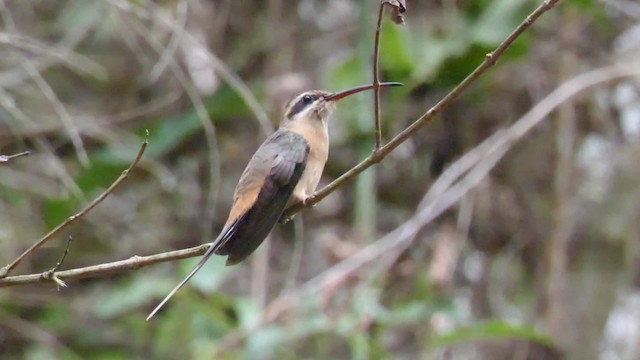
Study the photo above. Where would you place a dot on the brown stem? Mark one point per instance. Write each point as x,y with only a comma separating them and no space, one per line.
379,154
134,262
51,274
7,158
74,218
376,78
462,176
492,149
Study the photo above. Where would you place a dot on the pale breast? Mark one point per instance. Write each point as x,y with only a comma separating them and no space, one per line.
318,138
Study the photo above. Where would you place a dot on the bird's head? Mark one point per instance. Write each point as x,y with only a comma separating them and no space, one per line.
317,105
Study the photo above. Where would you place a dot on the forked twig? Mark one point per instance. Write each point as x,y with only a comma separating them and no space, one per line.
137,261
465,174
399,8
491,149
7,158
51,274
378,155
74,218
134,262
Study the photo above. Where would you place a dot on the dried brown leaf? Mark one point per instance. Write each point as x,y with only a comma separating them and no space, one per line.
398,7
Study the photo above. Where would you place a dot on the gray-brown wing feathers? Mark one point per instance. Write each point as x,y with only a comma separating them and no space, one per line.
282,159
285,154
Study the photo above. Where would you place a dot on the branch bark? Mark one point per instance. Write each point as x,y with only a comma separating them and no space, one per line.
379,154
570,89
7,158
74,218
462,176
133,263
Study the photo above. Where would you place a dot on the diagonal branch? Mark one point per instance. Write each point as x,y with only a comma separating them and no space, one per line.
74,218
7,158
462,176
381,153
447,191
136,262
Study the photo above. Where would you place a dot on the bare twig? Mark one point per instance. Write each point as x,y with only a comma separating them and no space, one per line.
496,147
226,73
60,110
207,126
51,274
477,162
8,102
176,37
50,55
134,262
7,158
381,153
376,78
376,72
98,126
74,218
30,331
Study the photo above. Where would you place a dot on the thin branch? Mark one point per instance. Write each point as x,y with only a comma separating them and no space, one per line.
398,9
50,55
8,102
226,73
51,274
74,218
7,158
60,110
133,263
381,153
499,145
376,78
477,163
176,38
207,126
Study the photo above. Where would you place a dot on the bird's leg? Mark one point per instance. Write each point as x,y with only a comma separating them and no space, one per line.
299,197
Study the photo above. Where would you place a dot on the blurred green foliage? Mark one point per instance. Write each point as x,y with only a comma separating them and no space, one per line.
102,74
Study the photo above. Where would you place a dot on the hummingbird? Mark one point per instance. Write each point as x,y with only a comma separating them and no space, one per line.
285,170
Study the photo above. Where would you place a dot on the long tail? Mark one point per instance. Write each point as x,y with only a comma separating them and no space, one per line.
214,246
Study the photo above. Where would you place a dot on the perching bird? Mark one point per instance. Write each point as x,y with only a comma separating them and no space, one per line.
285,170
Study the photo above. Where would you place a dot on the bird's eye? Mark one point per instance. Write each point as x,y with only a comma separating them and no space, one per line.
307,99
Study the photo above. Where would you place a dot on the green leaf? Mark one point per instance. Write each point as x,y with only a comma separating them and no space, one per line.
167,134
459,66
346,74
99,175
498,20
212,274
492,329
262,343
395,57
125,298
56,211
434,52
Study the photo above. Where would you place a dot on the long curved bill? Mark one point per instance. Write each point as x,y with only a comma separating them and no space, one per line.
344,93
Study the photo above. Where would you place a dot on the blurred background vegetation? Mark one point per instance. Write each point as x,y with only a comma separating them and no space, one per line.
540,261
